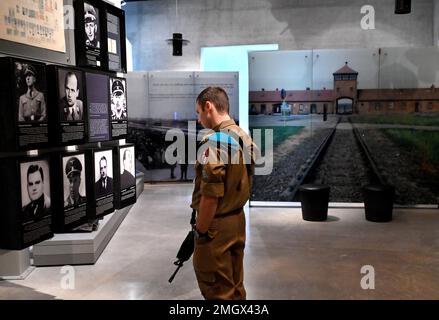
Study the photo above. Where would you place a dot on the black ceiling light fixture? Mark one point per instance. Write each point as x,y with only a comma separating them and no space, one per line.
177,40
402,6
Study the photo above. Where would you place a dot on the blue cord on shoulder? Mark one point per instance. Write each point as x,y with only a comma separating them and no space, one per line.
222,137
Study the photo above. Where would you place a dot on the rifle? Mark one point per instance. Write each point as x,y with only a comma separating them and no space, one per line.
186,249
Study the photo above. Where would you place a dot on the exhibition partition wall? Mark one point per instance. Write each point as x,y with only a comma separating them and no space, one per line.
347,118
163,102
63,120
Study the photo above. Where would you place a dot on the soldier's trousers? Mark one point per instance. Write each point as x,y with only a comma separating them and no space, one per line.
218,259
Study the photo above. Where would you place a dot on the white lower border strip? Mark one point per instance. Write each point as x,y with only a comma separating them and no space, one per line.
277,204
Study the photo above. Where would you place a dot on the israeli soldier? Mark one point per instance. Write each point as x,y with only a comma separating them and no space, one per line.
222,187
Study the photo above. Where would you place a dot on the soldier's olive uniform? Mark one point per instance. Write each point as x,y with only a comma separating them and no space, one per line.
218,258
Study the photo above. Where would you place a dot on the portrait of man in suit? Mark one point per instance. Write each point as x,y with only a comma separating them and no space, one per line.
104,185
127,178
72,107
40,203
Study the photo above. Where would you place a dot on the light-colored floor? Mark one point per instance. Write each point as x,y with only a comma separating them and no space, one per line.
286,257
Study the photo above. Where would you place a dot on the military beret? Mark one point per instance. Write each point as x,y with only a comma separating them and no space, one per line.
89,13
30,70
73,166
117,86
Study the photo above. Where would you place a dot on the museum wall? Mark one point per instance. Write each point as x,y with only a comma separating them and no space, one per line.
294,25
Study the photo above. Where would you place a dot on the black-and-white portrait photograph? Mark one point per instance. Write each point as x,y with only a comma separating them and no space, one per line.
103,173
35,190
91,24
70,94
74,180
30,91
127,167
118,99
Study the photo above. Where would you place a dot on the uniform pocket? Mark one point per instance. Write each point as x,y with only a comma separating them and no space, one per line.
204,259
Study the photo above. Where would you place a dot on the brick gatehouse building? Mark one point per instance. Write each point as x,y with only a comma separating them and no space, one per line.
345,98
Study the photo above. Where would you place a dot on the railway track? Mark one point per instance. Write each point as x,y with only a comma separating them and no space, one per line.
342,161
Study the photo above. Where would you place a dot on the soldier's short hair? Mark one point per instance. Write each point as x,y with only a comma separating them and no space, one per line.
215,95
34,168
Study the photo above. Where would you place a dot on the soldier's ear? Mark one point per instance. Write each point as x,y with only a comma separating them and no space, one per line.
208,106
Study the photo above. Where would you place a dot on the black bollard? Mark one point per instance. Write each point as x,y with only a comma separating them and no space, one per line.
314,199
378,202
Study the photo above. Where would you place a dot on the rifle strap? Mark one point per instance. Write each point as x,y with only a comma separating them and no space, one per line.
194,213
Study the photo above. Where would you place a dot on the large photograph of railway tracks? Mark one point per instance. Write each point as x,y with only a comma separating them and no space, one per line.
348,118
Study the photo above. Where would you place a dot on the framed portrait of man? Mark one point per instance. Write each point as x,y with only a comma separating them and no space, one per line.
71,198
70,87
26,196
30,92
91,25
91,34
103,177
125,175
118,108
74,179
25,109
127,167
69,111
118,99
35,190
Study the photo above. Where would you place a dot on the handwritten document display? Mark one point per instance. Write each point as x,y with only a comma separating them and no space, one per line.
36,23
